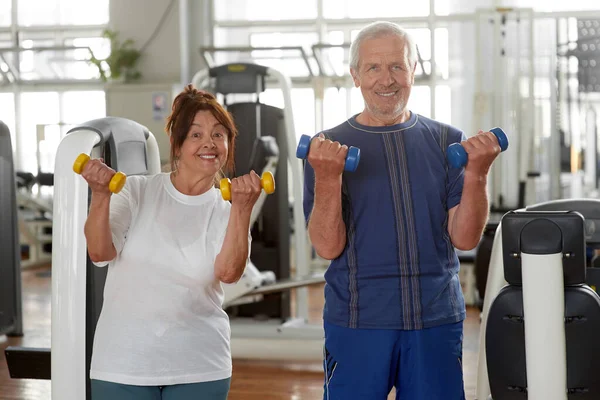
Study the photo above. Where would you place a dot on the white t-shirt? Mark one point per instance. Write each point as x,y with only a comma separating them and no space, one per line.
162,320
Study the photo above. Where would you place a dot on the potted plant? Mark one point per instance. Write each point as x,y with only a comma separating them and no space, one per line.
120,65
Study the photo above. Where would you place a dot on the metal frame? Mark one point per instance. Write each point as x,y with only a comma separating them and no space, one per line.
13,75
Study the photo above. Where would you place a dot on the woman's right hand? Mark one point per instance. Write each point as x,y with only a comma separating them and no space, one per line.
98,176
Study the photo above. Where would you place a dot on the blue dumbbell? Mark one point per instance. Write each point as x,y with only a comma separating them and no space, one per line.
457,156
352,158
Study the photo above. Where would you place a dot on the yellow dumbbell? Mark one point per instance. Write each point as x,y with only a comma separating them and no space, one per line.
116,183
267,182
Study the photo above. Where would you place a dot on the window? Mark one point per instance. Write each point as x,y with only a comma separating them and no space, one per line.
335,107
447,7
76,66
264,10
37,108
6,13
290,62
37,64
443,104
79,107
43,110
420,100
338,9
62,12
441,52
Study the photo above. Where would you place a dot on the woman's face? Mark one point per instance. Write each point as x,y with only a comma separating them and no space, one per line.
204,150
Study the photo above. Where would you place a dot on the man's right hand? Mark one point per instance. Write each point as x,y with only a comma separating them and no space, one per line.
98,176
327,158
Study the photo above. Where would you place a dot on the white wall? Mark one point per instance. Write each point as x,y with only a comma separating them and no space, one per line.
137,19
168,62
172,56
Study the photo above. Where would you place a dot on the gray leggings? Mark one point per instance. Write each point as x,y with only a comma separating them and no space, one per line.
214,390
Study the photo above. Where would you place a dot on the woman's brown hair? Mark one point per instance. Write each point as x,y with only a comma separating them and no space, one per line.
184,109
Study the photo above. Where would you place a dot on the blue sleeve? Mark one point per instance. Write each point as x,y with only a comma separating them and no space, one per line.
455,175
309,190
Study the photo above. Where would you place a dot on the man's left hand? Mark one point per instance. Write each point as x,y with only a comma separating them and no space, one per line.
482,149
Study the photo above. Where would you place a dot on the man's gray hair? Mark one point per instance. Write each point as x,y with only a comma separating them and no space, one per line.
378,29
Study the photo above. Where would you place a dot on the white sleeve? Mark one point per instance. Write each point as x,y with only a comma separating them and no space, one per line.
121,211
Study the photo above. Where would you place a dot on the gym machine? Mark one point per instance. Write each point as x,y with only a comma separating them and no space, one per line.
259,304
541,320
11,321
77,285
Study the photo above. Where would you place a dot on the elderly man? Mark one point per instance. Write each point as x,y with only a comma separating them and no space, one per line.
394,307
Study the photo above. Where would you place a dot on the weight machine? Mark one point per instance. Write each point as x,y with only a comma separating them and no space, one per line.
263,290
541,318
77,285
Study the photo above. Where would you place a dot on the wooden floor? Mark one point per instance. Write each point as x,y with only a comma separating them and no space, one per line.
252,380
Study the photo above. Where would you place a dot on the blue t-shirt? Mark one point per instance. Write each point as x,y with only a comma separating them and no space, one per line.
399,269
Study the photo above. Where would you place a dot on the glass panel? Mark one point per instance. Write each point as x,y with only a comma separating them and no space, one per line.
5,12
337,9
334,60
420,101
232,37
462,72
441,52
38,12
78,12
303,102
7,115
61,62
447,7
357,104
443,104
334,107
36,108
79,107
289,62
33,64
77,67
273,10
63,12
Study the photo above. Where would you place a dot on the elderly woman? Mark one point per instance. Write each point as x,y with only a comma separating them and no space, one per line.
170,241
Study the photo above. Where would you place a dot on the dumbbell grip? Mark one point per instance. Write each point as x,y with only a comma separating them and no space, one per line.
117,181
352,157
267,183
457,156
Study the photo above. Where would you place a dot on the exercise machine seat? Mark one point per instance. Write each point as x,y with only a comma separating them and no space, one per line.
505,330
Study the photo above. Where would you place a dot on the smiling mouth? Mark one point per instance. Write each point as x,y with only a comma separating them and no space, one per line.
386,94
207,156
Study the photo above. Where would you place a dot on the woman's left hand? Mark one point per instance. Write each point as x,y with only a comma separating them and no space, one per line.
245,190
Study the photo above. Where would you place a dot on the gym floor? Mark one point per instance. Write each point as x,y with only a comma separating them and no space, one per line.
252,380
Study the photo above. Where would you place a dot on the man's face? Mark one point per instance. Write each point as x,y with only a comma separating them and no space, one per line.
384,75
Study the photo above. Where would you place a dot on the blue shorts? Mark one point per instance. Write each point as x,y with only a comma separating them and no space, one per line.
214,390
366,363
